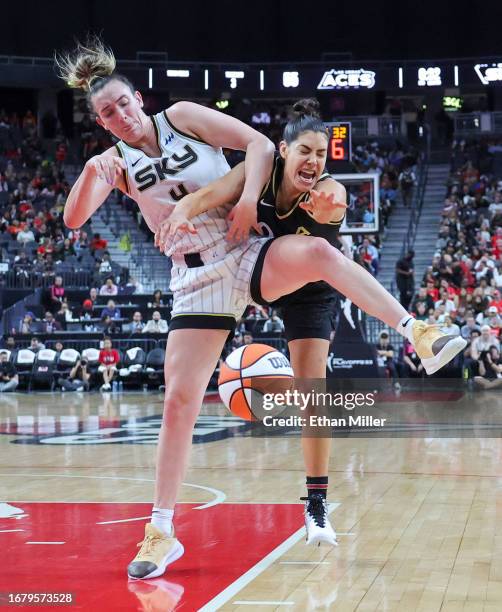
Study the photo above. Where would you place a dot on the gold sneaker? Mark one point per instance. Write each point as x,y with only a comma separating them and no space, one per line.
435,348
156,553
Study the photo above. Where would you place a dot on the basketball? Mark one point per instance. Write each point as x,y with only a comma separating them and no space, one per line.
249,372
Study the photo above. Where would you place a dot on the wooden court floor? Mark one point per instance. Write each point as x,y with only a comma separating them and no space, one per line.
419,519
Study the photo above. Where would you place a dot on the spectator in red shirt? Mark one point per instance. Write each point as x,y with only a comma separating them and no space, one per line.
108,358
496,301
57,292
98,243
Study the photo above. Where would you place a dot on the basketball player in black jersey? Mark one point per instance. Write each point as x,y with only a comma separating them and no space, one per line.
301,199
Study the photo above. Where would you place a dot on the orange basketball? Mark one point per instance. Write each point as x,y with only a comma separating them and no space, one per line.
247,373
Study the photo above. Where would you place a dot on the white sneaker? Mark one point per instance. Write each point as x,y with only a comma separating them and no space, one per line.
319,529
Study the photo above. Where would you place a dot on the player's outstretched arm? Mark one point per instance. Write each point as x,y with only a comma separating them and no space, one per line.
100,175
327,202
225,190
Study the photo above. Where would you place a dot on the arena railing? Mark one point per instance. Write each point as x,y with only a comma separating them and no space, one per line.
373,326
477,124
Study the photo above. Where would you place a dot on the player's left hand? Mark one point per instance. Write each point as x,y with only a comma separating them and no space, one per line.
243,217
177,221
322,206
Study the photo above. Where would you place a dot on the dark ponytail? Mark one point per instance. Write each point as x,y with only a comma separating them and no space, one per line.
305,117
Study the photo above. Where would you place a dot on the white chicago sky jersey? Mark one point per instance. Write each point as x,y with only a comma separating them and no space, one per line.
158,183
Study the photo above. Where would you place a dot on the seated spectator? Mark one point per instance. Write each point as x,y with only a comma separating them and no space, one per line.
422,296
26,324
237,340
50,324
78,378
133,285
22,264
490,317
111,310
109,288
156,325
385,351
471,364
58,347
68,249
10,343
484,342
445,300
25,234
496,301
157,300
97,243
470,325
136,325
369,254
274,324
449,328
490,369
9,380
57,292
412,363
248,338
105,265
93,295
108,358
36,345
81,242
108,326
64,315
421,311
87,311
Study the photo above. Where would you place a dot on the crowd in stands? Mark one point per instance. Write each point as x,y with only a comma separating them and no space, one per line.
461,289
35,245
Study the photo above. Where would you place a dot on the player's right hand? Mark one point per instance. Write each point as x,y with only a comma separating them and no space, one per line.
177,221
242,217
106,167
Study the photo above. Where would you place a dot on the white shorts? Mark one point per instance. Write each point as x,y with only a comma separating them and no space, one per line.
211,289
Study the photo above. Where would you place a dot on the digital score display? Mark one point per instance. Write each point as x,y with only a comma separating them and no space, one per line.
340,141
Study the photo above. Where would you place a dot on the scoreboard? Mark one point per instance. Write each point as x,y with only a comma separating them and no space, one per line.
302,79
340,141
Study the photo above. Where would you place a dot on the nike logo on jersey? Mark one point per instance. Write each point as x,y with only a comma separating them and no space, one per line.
265,204
134,163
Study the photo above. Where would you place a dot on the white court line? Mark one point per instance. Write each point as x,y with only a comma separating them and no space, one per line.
232,589
245,602
304,563
341,533
219,496
138,518
10,530
45,542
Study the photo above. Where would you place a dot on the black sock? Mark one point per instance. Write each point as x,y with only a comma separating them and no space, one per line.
317,484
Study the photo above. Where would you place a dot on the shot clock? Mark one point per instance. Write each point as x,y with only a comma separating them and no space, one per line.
340,141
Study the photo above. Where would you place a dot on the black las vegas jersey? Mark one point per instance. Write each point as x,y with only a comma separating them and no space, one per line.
294,221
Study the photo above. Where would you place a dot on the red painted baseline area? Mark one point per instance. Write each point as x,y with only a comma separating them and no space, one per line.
221,543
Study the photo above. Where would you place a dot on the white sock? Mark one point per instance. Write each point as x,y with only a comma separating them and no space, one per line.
405,326
162,519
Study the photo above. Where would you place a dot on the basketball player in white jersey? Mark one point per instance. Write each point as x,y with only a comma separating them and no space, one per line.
157,161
